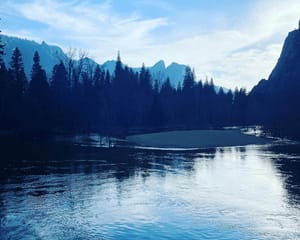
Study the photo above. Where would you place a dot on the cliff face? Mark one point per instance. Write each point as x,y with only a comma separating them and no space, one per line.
287,69
276,102
286,73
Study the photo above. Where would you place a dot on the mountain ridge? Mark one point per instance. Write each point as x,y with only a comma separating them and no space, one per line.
52,54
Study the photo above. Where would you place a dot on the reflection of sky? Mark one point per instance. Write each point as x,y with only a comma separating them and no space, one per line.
232,193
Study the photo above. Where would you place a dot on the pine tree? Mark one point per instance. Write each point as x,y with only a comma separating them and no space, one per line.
38,102
145,97
98,78
18,82
188,99
60,83
189,79
3,83
60,89
15,86
1,50
156,113
99,95
145,80
118,68
39,86
3,70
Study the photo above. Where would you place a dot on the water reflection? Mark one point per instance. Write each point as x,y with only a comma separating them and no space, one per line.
60,191
286,158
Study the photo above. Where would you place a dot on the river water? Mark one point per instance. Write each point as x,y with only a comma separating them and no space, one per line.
57,191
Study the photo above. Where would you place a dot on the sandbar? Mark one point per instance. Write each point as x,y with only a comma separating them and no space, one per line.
196,139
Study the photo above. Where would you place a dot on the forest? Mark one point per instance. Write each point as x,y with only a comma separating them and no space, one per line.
81,98
78,98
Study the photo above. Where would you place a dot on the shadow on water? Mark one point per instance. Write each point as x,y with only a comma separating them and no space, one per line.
21,158
287,159
113,185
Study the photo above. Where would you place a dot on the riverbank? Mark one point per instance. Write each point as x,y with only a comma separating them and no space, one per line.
196,139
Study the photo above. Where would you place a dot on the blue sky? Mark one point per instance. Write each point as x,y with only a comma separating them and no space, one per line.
235,42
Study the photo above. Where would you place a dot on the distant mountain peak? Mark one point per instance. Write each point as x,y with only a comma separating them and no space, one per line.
51,55
160,64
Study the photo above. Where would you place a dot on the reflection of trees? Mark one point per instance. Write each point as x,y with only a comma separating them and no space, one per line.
44,158
288,163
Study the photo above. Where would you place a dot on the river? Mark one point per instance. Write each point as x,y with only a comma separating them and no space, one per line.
60,191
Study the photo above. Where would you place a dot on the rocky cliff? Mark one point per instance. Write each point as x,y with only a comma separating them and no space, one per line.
276,102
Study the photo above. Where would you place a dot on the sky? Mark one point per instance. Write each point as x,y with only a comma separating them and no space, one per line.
237,43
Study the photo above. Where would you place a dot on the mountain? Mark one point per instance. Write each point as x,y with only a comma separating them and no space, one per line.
275,102
51,55
158,71
174,71
287,71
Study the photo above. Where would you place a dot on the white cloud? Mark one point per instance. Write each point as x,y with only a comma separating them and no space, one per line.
239,54
246,68
92,26
242,55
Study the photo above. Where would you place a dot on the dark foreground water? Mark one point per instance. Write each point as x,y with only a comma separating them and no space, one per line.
57,191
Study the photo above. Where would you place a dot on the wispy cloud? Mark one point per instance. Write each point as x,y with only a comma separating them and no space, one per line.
235,53
89,25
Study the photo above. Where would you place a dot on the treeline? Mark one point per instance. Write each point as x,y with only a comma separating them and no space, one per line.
78,98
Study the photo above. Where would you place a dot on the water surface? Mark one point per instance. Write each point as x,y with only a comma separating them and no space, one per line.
57,191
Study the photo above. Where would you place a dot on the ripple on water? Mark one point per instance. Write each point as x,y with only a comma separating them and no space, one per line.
232,193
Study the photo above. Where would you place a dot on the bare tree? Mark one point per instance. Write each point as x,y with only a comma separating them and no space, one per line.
70,62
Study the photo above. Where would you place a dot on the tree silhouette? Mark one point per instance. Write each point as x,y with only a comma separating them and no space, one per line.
38,97
60,84
2,45
91,99
60,90
15,89
189,79
3,85
188,98
145,94
39,86
18,81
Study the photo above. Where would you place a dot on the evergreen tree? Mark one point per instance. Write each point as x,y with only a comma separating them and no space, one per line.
3,94
145,80
239,106
60,83
99,79
38,97
199,105
99,98
39,86
188,99
18,82
118,68
169,102
87,102
156,114
1,50
3,84
118,100
15,86
189,79
107,105
145,94
61,89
